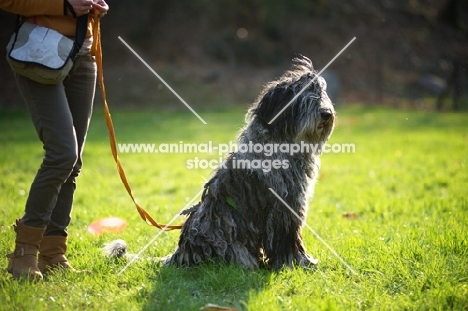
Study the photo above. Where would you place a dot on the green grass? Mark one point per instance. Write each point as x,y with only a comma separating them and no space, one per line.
407,183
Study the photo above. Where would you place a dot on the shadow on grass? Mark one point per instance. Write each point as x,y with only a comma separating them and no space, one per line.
179,288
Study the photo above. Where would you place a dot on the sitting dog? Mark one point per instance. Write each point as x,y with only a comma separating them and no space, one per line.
239,219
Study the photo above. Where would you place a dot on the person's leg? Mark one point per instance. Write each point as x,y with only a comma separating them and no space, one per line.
79,89
52,119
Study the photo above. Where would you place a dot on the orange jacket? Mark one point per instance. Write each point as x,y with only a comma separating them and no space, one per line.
47,13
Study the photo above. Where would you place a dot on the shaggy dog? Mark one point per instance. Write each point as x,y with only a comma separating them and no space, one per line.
239,220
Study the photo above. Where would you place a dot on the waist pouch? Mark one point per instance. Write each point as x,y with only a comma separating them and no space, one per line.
42,54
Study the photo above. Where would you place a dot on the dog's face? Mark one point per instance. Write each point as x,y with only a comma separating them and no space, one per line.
296,106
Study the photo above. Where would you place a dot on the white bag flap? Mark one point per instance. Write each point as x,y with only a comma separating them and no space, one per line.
41,45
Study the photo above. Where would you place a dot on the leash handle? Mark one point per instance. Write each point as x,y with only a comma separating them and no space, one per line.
97,52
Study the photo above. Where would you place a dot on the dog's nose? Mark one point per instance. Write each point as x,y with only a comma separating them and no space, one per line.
326,114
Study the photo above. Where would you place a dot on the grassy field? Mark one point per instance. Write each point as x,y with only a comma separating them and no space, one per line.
396,210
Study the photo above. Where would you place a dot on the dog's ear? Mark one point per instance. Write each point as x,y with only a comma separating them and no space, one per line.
270,106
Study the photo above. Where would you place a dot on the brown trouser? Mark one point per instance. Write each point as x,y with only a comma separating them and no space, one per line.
61,114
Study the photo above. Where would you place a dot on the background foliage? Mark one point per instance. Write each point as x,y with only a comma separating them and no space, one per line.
405,51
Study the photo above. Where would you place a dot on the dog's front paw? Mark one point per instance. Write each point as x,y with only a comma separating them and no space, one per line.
306,261
291,260
166,260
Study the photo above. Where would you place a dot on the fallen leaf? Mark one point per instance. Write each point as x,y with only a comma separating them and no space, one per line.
350,215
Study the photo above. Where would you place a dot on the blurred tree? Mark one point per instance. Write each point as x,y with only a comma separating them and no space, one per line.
450,14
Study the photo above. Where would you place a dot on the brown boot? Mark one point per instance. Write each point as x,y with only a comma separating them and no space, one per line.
52,254
23,261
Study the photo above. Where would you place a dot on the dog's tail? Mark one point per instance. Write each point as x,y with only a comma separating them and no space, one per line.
119,249
115,249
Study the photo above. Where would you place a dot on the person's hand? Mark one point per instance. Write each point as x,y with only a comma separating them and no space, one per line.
81,7
101,6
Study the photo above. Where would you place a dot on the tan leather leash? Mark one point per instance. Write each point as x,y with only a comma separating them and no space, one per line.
97,52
